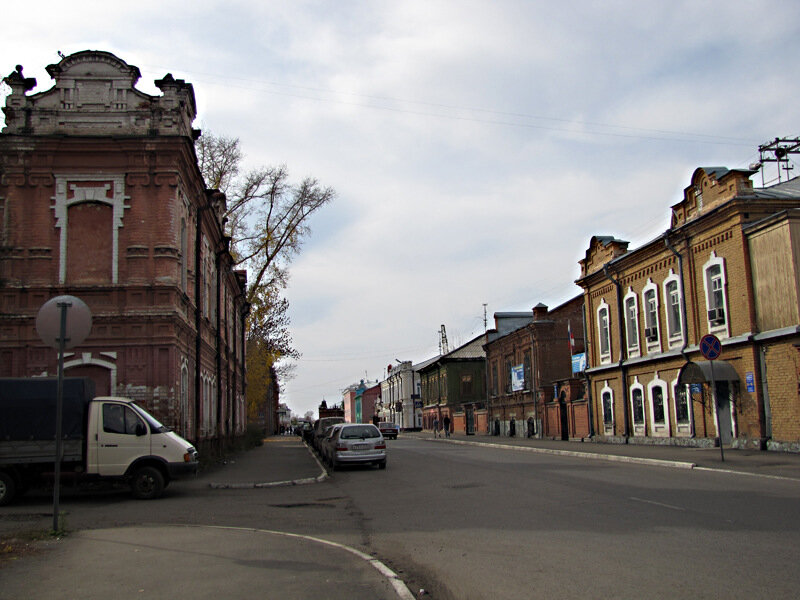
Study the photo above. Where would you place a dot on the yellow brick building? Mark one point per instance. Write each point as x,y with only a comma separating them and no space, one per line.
728,265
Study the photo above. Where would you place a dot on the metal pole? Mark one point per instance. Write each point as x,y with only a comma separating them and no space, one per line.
63,306
716,410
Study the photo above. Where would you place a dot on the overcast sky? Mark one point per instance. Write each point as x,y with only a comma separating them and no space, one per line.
475,147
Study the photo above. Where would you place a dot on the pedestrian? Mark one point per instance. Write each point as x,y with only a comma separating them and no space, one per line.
446,422
436,427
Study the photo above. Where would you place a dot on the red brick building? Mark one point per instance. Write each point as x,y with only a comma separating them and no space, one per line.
531,389
101,197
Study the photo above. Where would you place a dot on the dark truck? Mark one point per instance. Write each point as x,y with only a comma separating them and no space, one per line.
106,437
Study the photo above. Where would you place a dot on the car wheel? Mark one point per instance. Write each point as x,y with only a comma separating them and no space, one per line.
7,488
147,483
382,465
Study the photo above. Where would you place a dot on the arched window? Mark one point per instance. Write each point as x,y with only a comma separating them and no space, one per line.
604,332
659,409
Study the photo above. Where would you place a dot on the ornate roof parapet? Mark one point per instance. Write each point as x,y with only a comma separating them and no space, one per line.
95,94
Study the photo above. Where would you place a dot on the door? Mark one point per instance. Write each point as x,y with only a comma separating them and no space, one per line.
470,421
122,436
725,426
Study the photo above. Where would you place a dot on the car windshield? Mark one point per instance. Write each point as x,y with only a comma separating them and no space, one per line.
155,426
359,432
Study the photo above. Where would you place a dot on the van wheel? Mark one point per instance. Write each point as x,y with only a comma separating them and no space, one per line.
147,483
8,488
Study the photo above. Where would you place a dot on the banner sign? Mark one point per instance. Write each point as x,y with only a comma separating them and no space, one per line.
579,362
517,378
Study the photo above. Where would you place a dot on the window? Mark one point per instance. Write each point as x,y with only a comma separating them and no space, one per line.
672,300
659,412
184,251
650,305
637,407
682,405
494,379
608,409
120,419
466,385
507,375
526,362
632,323
603,324
714,275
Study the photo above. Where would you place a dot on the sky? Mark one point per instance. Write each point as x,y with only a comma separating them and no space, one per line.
475,146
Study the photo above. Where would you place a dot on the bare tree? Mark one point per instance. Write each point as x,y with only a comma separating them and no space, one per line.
267,215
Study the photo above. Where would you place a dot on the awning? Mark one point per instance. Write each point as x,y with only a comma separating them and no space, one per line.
700,372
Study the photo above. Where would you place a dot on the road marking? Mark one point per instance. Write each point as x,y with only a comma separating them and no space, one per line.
658,504
394,579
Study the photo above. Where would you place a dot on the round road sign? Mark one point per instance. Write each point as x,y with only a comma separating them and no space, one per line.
78,322
710,346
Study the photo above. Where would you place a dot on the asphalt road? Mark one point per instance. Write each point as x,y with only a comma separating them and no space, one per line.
464,522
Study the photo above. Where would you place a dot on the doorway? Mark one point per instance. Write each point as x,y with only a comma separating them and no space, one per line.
725,425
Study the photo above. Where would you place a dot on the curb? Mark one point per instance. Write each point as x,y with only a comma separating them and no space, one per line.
251,485
591,456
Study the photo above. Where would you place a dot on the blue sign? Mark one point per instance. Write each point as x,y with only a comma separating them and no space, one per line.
696,388
417,403
750,380
579,362
710,346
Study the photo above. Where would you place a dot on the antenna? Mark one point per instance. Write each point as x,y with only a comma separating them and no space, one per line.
443,348
780,149
484,317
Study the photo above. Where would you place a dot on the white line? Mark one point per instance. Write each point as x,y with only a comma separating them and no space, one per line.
399,586
658,504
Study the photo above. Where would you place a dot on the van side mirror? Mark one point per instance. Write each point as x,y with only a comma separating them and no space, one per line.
141,429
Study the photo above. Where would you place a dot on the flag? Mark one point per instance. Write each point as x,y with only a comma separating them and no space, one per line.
571,339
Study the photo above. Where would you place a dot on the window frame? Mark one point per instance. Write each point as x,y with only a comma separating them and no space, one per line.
659,428
630,305
674,317
641,427
682,429
721,327
608,428
651,317
604,332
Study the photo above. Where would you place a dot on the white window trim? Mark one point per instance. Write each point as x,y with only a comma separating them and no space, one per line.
608,428
721,330
638,429
635,349
682,429
655,345
658,429
604,357
677,339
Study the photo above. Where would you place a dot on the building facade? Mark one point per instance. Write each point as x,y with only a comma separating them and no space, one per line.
453,385
726,266
101,197
531,388
399,393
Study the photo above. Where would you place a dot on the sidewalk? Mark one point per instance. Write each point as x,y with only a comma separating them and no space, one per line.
749,462
174,561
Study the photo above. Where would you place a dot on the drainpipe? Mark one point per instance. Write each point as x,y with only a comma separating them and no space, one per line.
198,313
684,324
623,350
585,376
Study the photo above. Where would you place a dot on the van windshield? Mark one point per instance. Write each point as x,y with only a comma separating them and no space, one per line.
155,426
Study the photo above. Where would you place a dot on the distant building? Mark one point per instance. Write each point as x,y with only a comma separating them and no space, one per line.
335,410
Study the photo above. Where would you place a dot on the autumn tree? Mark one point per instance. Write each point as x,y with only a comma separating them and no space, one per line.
267,217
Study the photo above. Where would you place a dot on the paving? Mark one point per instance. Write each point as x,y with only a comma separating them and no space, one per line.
202,561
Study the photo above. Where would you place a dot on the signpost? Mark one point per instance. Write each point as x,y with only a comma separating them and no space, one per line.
711,348
62,322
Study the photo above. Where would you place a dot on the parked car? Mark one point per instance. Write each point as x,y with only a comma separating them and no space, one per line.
326,443
388,429
319,429
356,443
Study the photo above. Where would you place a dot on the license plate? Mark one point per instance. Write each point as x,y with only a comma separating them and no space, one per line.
361,446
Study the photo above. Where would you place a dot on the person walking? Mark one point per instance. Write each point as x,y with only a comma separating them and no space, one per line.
446,422
436,427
